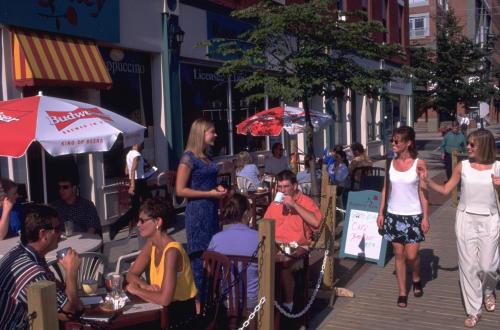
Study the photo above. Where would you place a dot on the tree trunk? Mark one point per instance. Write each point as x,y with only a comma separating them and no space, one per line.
310,149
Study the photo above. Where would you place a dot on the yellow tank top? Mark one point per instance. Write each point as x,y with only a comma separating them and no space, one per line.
185,288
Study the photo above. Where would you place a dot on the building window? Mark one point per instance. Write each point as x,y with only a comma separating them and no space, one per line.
416,3
364,4
419,26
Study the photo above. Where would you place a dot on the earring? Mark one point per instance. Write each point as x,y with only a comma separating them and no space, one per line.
157,227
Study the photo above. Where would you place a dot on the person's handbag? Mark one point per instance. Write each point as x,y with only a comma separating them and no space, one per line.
387,185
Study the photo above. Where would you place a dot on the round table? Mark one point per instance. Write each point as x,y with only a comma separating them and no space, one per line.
80,242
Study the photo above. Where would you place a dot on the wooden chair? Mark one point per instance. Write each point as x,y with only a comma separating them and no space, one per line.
237,302
214,281
368,178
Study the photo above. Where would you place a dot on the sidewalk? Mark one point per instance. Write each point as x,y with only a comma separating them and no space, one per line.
374,306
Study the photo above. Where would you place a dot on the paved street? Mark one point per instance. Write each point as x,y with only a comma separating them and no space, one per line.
374,306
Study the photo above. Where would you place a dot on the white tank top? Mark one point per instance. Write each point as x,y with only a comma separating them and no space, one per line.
403,197
477,194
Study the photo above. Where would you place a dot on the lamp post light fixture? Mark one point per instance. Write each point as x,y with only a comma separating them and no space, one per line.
176,37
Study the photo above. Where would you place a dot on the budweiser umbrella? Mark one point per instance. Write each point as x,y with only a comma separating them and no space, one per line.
62,126
270,122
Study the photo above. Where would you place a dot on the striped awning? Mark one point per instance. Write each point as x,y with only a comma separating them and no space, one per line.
42,59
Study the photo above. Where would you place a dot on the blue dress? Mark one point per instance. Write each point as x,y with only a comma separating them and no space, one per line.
201,216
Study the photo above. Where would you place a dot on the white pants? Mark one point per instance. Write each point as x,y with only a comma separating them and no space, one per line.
478,259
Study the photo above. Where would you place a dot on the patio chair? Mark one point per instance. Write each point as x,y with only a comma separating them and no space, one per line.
368,178
91,268
237,304
166,182
245,184
214,281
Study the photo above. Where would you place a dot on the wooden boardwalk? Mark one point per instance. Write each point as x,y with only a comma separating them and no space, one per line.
374,306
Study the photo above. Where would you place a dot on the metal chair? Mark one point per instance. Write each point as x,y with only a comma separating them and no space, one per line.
368,178
166,182
245,184
305,188
125,260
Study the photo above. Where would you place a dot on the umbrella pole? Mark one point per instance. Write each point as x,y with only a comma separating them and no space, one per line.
44,175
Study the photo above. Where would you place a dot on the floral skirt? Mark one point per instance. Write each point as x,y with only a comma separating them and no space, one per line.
404,229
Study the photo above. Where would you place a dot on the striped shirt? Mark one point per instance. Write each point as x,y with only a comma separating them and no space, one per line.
19,268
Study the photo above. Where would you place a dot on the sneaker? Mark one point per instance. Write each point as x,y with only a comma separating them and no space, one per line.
471,321
489,303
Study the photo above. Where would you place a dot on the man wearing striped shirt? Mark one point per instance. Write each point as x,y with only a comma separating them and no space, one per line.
25,264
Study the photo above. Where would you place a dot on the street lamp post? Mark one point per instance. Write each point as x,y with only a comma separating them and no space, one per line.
173,36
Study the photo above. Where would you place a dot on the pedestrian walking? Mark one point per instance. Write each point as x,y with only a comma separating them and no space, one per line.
407,217
477,222
197,181
453,140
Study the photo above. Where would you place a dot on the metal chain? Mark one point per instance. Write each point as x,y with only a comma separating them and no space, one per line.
313,296
252,315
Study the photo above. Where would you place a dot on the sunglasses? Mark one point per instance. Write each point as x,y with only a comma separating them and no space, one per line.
142,221
471,144
64,186
55,229
396,142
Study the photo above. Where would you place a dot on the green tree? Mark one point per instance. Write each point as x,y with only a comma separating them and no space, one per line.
301,50
457,70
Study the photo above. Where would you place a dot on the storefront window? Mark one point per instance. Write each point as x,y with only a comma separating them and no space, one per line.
371,118
131,97
205,94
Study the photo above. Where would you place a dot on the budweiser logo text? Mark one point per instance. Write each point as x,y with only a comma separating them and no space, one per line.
62,119
7,118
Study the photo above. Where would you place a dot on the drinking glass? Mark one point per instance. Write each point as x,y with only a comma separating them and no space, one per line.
68,228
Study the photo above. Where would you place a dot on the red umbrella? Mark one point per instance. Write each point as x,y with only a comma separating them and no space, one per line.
270,122
265,123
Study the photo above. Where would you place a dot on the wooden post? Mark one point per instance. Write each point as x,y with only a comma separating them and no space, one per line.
323,205
42,305
266,273
294,156
454,192
328,280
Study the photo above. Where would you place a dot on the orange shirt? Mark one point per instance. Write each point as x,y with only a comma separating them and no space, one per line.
291,227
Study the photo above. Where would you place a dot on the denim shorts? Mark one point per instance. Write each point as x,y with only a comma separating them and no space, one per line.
404,229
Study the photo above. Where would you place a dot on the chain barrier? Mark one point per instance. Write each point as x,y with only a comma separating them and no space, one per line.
207,308
313,296
252,315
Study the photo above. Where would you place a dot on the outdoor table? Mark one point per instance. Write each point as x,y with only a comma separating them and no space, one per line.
80,242
157,317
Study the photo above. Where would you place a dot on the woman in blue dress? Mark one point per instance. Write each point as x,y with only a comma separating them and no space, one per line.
197,181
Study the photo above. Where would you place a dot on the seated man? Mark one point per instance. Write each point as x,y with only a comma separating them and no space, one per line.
295,219
72,207
25,264
277,162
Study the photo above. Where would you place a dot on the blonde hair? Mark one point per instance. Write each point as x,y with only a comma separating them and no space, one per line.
244,158
485,142
196,140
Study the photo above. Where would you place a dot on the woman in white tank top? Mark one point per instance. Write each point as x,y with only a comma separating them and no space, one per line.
477,223
407,217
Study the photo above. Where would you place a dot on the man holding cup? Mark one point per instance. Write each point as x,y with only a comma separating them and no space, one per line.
25,264
296,216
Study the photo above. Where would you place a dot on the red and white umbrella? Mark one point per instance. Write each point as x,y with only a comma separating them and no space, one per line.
272,121
62,126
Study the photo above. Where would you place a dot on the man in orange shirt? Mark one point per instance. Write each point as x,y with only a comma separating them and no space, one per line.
295,217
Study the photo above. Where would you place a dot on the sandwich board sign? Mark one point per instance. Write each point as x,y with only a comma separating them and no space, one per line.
360,237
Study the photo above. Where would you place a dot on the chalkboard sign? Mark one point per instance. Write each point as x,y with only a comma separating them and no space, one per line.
360,237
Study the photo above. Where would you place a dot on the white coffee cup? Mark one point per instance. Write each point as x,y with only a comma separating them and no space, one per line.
279,197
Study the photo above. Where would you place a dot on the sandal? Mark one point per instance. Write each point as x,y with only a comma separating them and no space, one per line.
471,321
402,301
417,289
489,303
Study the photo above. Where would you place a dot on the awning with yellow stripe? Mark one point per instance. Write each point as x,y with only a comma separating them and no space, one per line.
42,59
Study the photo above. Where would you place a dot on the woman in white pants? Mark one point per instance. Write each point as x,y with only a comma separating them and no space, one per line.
477,223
